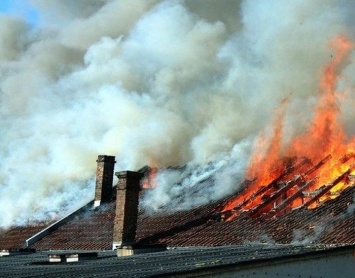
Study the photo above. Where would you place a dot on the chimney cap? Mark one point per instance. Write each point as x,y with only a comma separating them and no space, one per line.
128,174
106,158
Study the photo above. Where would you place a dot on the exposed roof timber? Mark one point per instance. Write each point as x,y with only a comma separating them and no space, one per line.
295,166
257,210
318,165
277,190
327,188
297,194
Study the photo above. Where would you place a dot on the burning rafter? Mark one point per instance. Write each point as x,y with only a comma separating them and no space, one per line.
274,196
299,181
327,188
274,189
281,193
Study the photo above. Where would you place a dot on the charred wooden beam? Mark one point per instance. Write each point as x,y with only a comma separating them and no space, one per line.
328,187
297,194
304,186
346,157
274,183
256,211
317,166
289,168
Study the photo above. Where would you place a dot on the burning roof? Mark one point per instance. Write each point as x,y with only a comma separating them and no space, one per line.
312,167
192,99
295,192
332,222
297,186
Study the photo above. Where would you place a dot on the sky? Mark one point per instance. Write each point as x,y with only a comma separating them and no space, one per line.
5,5
20,8
154,82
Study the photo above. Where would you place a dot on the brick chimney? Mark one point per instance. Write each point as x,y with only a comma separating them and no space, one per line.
125,223
104,179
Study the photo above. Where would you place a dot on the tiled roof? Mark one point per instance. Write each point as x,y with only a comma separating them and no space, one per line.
91,230
333,222
14,237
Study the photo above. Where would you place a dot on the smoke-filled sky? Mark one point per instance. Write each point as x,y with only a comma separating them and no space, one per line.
152,82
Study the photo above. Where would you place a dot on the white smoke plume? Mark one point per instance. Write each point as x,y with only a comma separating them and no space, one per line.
303,237
151,82
192,186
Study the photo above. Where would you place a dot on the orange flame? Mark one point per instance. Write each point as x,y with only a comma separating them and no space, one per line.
149,181
264,165
278,175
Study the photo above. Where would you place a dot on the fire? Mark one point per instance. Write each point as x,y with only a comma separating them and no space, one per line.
313,167
148,181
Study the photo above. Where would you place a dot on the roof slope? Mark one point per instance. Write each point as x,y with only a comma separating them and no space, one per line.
333,222
14,237
90,230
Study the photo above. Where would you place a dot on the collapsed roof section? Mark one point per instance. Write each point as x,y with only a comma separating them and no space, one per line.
296,186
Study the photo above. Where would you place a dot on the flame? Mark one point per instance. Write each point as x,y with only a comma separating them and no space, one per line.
149,181
264,164
313,167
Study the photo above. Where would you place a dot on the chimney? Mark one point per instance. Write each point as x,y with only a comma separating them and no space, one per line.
104,179
125,223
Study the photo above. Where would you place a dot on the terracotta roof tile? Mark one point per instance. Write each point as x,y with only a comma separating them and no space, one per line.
333,222
92,230
14,237
313,224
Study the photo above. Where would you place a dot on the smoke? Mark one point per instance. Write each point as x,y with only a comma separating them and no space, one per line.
304,237
163,83
316,230
192,186
351,208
